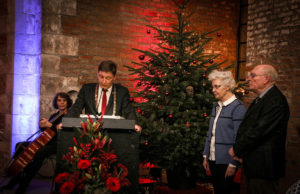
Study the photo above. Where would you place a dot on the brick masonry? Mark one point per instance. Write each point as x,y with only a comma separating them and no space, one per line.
273,37
78,35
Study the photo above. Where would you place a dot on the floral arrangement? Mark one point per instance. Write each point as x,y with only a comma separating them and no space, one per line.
92,165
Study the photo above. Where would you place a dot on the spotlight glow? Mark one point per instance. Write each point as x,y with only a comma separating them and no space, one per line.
27,63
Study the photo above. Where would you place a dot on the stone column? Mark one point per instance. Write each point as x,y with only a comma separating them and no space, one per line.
26,87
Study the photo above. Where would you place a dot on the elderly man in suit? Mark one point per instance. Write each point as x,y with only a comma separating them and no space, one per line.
104,97
260,142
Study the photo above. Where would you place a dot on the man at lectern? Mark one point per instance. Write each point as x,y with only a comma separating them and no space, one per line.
104,97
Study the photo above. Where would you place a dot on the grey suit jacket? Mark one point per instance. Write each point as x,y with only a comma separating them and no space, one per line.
86,100
261,136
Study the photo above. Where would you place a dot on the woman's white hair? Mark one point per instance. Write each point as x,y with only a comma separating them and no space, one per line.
225,77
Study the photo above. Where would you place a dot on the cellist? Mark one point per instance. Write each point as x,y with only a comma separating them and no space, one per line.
62,102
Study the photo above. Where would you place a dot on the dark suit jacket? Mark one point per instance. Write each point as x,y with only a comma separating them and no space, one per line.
261,136
86,100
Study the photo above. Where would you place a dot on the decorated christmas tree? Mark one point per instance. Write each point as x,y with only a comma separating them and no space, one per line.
174,98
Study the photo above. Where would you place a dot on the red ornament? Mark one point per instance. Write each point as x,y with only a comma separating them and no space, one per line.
203,75
175,73
131,99
142,57
138,110
176,61
246,91
166,93
211,61
143,113
188,124
219,34
194,61
139,84
146,143
170,116
148,31
205,115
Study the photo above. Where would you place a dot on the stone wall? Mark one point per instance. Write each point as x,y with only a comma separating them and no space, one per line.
55,46
78,35
6,78
274,38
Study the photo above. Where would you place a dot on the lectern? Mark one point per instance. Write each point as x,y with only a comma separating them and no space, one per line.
125,143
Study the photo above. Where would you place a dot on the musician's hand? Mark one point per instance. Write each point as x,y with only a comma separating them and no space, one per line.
59,126
138,128
45,123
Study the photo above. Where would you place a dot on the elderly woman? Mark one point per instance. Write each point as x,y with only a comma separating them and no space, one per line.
227,114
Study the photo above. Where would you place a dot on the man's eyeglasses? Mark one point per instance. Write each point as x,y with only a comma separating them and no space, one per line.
253,75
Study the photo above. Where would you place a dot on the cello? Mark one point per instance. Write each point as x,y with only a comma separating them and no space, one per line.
17,164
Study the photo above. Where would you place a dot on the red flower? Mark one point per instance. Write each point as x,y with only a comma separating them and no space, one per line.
83,126
75,141
67,187
109,157
113,184
100,118
90,119
100,144
124,171
62,177
84,164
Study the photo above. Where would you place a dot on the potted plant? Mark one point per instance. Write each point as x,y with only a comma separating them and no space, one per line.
92,167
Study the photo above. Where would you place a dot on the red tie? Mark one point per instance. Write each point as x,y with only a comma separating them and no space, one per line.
103,107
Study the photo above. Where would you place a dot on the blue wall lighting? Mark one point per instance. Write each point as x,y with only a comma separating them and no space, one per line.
27,63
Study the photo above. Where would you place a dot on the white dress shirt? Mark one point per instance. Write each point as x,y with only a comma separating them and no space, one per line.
100,95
